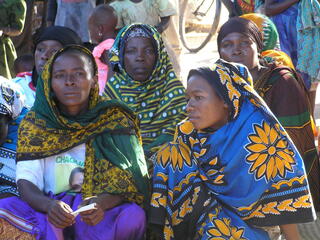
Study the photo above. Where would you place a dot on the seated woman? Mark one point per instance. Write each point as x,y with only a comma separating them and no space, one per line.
280,87
12,111
144,79
231,168
46,42
70,126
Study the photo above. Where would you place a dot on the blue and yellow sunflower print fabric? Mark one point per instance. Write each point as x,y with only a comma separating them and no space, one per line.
228,183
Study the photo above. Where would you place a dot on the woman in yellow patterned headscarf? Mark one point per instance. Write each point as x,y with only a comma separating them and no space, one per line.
72,127
147,83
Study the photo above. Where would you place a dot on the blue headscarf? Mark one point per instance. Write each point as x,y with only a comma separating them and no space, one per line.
228,183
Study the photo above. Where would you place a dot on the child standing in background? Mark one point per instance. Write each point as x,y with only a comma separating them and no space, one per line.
102,27
23,64
154,12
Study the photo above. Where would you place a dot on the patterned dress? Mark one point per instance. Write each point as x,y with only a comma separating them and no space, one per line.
229,183
11,105
286,96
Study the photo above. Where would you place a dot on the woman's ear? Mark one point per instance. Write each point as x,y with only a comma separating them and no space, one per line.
225,105
94,81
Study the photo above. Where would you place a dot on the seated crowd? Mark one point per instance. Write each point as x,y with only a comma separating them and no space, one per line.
113,129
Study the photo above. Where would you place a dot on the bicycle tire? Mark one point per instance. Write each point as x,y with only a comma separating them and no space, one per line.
211,32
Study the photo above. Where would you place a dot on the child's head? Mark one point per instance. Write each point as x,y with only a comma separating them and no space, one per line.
76,179
24,63
102,23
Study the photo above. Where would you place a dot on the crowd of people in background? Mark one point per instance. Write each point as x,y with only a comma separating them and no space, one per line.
100,138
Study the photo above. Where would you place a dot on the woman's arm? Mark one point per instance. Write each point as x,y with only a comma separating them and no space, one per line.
17,18
59,213
290,231
273,8
163,25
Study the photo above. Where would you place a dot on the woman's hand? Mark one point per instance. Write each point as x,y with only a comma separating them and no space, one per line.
94,216
59,214
103,202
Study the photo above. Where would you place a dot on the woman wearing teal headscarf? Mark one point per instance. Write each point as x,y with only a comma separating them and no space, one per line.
145,80
70,128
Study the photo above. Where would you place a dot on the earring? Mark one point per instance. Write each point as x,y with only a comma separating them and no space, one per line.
99,34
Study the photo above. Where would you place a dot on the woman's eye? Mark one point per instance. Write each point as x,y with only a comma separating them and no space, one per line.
58,76
226,45
198,97
79,74
40,49
149,51
130,51
246,43
53,51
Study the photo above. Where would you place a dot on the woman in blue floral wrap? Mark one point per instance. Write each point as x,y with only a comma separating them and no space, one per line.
231,169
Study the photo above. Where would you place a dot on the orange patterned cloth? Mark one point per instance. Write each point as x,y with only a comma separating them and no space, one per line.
8,231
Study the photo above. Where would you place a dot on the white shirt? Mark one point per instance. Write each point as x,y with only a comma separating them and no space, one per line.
26,88
52,174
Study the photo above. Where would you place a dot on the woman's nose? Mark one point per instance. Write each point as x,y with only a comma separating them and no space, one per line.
140,56
70,80
237,49
189,106
46,55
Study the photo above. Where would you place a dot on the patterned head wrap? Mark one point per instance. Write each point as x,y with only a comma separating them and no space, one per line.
137,32
243,26
11,99
269,31
159,101
108,129
228,81
281,58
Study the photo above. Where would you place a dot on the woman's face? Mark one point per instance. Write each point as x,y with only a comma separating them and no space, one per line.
205,109
139,58
72,81
44,50
236,47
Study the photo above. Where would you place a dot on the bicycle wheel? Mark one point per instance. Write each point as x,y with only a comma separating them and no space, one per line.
195,35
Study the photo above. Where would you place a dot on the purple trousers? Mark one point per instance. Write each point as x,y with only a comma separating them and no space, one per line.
124,222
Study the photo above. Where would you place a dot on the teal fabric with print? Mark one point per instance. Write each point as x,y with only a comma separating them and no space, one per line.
308,26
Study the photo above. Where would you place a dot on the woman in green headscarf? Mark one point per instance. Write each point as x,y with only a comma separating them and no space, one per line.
145,80
72,127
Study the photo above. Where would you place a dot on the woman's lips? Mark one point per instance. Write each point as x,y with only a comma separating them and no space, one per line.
70,94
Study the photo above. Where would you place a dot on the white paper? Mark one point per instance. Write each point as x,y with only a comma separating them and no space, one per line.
84,208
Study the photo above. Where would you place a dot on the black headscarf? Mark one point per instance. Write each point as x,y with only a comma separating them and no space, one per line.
243,26
63,35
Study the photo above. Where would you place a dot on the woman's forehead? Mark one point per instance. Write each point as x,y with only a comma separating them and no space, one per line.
71,58
134,41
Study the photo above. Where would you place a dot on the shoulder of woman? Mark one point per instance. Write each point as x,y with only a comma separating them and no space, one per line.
118,109
282,72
